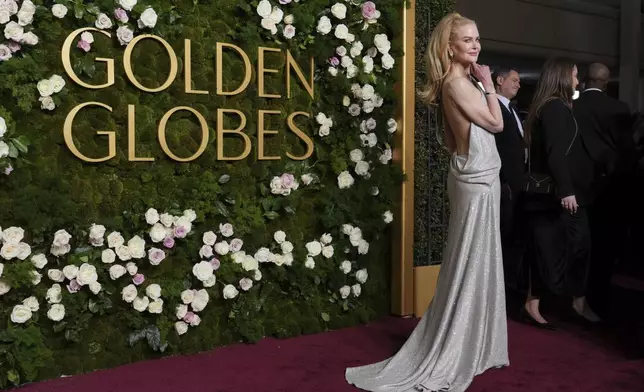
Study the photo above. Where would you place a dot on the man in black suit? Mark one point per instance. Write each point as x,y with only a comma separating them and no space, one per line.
512,150
604,126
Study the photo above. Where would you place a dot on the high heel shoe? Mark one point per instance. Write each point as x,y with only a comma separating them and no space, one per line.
527,319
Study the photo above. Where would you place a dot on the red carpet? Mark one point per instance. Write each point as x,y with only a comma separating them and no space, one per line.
540,361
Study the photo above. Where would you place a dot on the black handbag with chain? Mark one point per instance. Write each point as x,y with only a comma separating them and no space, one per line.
541,183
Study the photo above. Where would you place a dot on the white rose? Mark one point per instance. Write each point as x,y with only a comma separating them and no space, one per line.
289,19
124,35
268,24
86,274
209,238
136,245
131,268
309,263
362,168
3,130
153,291
141,304
70,271
151,216
56,312
5,15
350,38
258,275
287,247
25,18
324,130
210,282
345,291
13,31
148,19
222,248
200,301
156,256
127,5
156,306
13,235
314,248
158,232
54,294
202,270
245,284
326,239
230,292
289,31
29,38
31,303
250,263
128,293
355,235
59,11
356,155
341,31
324,25
236,244
180,327
115,239
388,61
166,219
56,275
24,250
328,251
4,287
306,179
388,217
95,287
36,278
9,251
116,271
345,266
181,311
108,256
4,149
345,180
1,269
123,253
382,43
369,140
187,296
363,247
356,290
96,234
368,92
20,314
346,61
356,49
103,22
392,125
39,260
226,229
367,64
264,8
205,251
339,10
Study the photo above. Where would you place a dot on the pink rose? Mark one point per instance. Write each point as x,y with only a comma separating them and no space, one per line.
285,1
368,10
189,317
138,279
8,170
84,45
180,232
121,15
288,180
168,242
215,264
334,61
13,46
73,286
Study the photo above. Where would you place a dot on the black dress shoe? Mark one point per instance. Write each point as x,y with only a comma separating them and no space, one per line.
527,319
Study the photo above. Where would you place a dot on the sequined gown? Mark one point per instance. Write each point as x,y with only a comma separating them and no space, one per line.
464,330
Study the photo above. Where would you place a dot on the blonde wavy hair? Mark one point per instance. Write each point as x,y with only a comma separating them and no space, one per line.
437,56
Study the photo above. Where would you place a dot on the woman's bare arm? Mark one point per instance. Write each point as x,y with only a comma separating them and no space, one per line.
467,99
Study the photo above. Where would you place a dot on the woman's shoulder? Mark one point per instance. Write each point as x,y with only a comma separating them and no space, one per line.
555,105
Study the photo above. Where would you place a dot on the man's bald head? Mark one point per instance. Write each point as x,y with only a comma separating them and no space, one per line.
598,76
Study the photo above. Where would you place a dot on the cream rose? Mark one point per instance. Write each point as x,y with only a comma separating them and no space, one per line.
108,256
245,284
187,296
13,235
95,287
54,294
70,271
324,25
56,275
158,232
181,327
156,306
345,180
87,274
29,38
339,10
123,252
356,289
115,239
309,263
136,245
209,238
103,22
314,248
202,270
47,103
124,35
200,301
230,292
222,248
31,303
127,4
148,18
153,291
181,311
59,11
345,291
117,271
56,312
57,85
264,8
345,266
129,293
9,251
141,304
131,268
249,263
21,314
13,31
4,287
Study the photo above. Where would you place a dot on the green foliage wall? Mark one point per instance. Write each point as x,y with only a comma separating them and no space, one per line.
431,161
50,189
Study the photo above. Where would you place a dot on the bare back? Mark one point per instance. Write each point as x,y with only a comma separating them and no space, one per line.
457,125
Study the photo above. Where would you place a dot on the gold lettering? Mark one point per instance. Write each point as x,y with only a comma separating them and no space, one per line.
301,135
127,63
290,62
131,137
67,60
221,131
69,139
220,69
188,69
261,70
164,143
260,135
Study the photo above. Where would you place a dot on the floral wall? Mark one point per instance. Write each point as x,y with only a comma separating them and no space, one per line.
112,262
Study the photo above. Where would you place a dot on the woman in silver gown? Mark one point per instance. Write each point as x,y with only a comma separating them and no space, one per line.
464,330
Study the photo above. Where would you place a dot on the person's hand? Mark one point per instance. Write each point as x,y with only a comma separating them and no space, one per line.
483,74
570,204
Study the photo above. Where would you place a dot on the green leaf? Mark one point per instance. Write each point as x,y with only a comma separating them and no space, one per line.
325,317
289,209
224,179
221,208
92,306
317,280
13,377
93,9
263,189
21,147
271,215
78,11
345,305
84,259
60,326
13,151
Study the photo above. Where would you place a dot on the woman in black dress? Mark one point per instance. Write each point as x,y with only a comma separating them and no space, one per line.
558,251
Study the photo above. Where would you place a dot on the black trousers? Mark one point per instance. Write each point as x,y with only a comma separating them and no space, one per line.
558,252
512,237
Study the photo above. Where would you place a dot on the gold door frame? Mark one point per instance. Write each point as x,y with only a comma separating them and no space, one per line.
402,266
